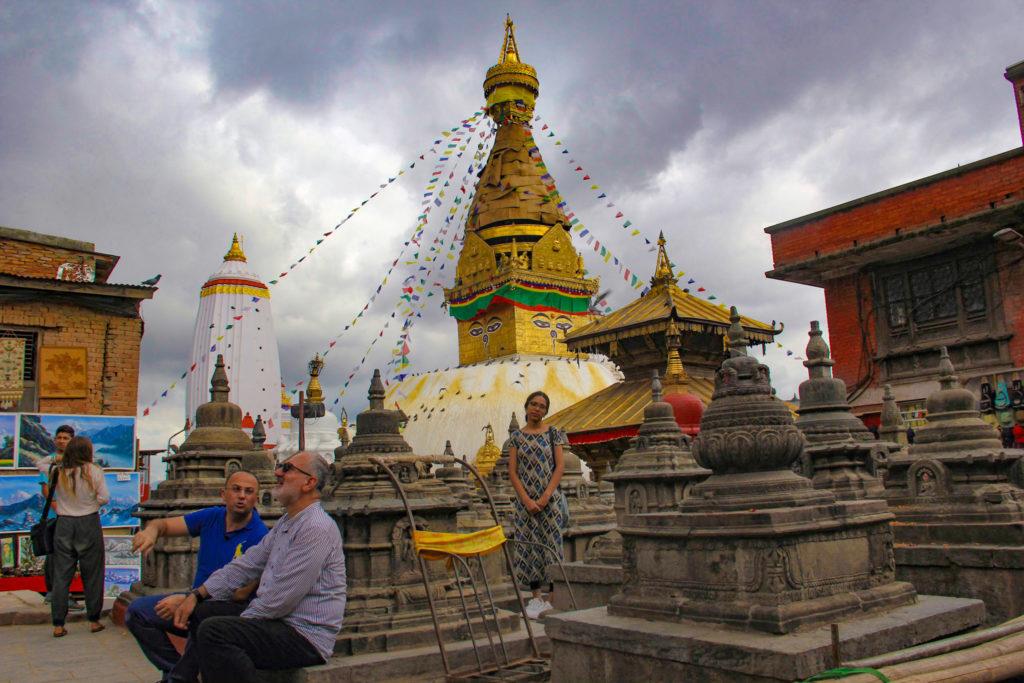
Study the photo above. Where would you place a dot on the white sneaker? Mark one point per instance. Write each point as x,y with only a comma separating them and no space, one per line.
535,607
545,606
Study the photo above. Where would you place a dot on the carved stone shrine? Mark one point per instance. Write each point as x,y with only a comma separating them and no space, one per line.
742,582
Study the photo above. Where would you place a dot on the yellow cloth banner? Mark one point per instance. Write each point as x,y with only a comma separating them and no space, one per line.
431,544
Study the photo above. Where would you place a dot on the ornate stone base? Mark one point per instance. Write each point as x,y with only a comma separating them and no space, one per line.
773,570
593,585
994,574
593,645
414,629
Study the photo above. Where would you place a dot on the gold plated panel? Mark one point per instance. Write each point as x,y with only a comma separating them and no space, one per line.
504,330
476,262
554,253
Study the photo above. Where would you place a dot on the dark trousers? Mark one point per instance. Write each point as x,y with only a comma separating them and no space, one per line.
150,630
77,541
232,649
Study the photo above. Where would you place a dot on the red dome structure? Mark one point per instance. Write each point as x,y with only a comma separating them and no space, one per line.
687,409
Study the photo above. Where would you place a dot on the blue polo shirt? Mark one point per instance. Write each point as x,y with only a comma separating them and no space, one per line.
217,546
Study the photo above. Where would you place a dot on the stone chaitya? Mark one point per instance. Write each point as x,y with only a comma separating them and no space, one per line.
387,604
841,454
958,499
589,516
195,477
754,552
651,476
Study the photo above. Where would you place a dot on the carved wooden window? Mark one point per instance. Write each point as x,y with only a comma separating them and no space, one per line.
947,298
936,293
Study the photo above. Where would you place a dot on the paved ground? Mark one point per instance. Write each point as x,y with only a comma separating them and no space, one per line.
32,655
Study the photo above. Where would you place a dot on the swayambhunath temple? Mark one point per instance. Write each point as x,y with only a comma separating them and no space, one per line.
612,473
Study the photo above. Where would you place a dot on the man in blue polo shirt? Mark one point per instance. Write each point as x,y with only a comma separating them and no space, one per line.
225,532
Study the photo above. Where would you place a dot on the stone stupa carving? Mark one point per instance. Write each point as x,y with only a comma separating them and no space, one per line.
756,545
195,477
387,605
841,454
959,504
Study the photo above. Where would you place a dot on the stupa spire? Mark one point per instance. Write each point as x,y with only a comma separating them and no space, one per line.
519,282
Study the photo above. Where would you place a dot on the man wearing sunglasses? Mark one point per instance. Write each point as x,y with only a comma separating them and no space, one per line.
225,532
296,615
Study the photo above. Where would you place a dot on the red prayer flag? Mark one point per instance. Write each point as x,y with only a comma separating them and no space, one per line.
586,177
700,289
618,215
579,168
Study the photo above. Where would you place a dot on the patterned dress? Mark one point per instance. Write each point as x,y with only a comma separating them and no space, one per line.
535,464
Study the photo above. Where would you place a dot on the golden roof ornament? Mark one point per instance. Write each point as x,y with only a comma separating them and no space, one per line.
235,253
663,275
675,369
488,454
314,392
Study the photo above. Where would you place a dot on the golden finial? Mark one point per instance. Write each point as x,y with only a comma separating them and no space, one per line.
675,369
509,49
663,271
314,393
235,253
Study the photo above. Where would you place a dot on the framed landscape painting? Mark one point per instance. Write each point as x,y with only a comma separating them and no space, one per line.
124,499
112,436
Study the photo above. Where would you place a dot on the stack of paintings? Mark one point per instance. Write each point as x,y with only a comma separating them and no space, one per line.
26,439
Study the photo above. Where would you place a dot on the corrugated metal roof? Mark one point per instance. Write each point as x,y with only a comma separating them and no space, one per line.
669,302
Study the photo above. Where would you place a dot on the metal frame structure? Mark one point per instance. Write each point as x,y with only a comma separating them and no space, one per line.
503,667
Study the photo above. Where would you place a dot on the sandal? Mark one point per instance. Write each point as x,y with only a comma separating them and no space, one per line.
59,631
96,627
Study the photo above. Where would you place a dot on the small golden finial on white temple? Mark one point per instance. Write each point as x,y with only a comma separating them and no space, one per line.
235,253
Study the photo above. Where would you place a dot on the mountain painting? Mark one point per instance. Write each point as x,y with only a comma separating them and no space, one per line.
113,438
124,500
8,437
21,502
117,580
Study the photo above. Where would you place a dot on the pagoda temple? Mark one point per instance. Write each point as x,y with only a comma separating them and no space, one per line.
667,329
234,320
519,287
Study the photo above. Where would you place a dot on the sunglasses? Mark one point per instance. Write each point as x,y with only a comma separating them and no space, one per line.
287,467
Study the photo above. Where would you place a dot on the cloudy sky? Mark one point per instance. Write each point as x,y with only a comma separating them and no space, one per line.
157,129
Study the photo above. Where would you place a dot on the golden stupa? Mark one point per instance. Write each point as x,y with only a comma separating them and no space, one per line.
519,288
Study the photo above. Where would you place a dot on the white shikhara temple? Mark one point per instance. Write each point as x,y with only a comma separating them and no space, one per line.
234,319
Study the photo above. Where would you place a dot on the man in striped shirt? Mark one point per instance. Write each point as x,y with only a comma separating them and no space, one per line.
297,612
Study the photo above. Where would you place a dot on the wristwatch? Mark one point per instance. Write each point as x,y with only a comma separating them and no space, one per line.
198,596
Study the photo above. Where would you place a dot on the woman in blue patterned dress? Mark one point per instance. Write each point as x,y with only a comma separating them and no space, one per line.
535,470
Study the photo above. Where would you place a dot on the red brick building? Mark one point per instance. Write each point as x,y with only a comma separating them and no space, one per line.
82,334
936,261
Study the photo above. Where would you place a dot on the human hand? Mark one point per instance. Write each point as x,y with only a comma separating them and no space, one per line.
142,542
166,607
184,611
532,507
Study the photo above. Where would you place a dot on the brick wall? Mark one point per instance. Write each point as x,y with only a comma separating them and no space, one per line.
845,336
955,194
112,342
37,260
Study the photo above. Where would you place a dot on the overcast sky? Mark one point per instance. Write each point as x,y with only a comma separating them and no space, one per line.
157,129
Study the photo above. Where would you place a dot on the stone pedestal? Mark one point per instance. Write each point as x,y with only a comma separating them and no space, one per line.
593,645
957,496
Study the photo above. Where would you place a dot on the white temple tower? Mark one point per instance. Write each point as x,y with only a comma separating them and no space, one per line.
235,320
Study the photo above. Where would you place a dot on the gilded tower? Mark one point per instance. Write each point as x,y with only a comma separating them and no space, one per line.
519,283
